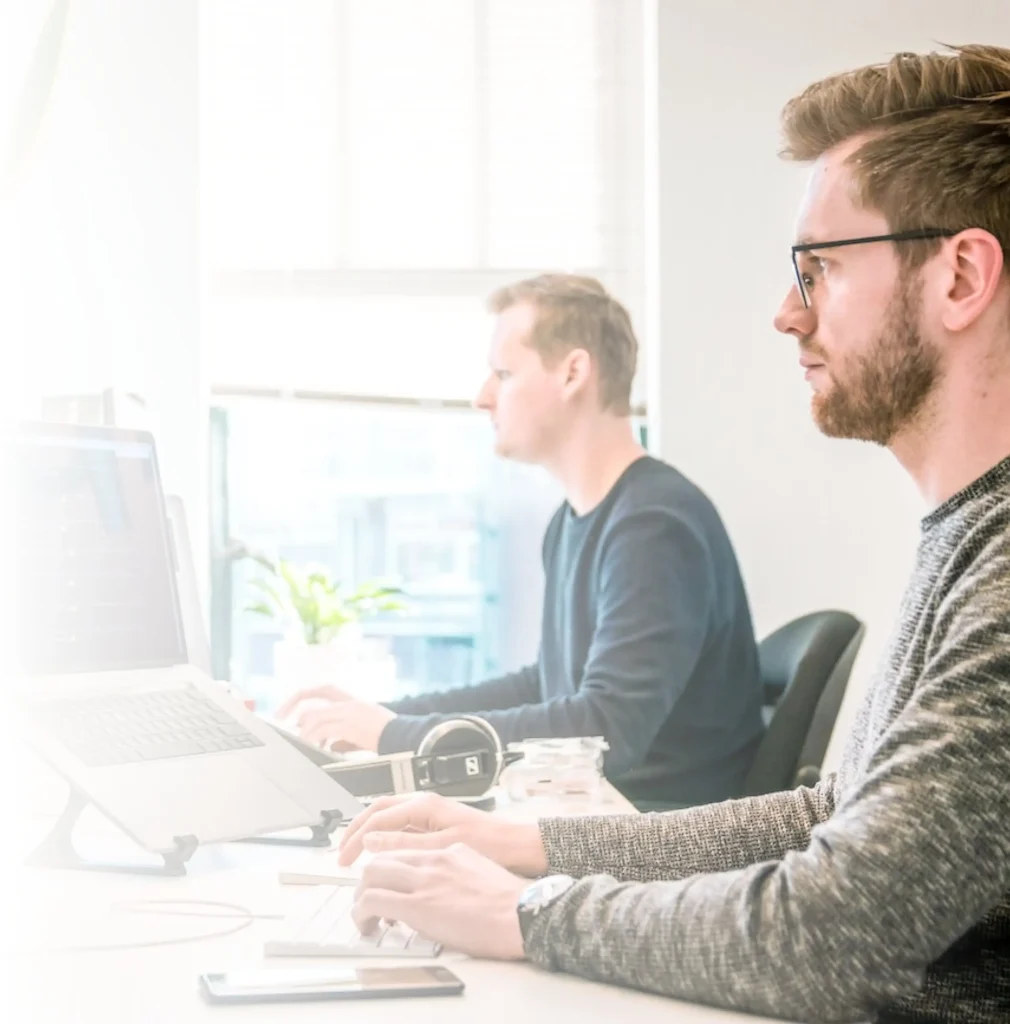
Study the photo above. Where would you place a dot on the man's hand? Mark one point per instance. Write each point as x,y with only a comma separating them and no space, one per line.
430,822
332,718
453,896
347,724
316,694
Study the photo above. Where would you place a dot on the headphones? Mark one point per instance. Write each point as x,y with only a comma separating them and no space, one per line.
461,758
479,746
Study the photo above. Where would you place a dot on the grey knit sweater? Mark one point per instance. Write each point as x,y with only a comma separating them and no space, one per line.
882,893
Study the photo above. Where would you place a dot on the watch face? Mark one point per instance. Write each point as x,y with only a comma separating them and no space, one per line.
545,891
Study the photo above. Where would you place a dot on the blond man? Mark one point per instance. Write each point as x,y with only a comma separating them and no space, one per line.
646,637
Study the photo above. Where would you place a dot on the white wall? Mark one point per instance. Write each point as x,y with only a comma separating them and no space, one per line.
817,523
101,234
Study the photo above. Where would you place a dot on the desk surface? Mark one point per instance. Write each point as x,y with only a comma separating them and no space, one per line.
157,985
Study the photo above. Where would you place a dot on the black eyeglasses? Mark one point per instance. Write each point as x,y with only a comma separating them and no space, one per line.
900,236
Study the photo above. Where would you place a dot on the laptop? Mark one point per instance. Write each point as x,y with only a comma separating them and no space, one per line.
103,682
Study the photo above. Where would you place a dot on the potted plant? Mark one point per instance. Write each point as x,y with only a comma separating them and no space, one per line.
323,642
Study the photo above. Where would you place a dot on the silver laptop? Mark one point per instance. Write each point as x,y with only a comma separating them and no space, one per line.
103,681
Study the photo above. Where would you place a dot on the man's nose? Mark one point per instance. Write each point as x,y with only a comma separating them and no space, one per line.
483,398
793,317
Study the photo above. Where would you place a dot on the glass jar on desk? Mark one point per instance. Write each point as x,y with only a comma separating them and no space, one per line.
572,766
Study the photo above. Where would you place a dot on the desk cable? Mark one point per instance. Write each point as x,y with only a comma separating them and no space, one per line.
174,908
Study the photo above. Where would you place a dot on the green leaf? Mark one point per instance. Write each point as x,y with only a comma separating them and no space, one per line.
261,608
323,582
317,601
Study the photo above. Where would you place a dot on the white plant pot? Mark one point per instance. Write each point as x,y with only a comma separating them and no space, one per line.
344,662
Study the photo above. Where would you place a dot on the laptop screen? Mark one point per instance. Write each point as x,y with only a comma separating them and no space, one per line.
193,628
92,553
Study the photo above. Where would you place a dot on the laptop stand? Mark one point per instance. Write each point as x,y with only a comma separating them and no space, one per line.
57,849
320,834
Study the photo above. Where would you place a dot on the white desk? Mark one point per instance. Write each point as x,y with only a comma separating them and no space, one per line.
158,985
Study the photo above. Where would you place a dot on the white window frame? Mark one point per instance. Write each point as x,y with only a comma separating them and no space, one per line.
619,46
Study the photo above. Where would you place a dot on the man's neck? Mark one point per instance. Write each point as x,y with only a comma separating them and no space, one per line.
595,455
963,434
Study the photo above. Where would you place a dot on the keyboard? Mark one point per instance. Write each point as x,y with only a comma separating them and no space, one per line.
324,927
146,726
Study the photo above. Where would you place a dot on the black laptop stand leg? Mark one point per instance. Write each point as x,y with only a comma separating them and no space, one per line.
57,849
320,833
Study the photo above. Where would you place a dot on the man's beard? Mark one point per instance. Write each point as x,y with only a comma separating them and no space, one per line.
885,388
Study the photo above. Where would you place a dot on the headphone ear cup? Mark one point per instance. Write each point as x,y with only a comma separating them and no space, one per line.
463,735
493,739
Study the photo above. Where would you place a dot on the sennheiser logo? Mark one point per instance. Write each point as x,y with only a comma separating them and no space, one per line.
472,765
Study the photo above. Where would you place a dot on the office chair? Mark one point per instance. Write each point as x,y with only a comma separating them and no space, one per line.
805,668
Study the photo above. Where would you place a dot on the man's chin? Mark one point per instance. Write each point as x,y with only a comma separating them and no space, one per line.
506,451
843,425
512,452
823,415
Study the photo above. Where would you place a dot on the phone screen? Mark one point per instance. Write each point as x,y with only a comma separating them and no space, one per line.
329,983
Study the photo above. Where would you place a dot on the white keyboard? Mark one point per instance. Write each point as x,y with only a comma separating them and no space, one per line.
324,927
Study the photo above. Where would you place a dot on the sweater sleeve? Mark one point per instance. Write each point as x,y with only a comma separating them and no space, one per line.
505,691
916,852
656,595
716,837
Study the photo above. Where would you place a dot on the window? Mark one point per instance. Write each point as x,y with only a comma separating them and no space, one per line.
372,493
372,169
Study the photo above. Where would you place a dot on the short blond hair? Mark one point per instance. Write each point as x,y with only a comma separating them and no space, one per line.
937,152
578,312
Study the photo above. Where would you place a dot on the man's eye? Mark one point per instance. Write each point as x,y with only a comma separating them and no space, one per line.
813,269
501,374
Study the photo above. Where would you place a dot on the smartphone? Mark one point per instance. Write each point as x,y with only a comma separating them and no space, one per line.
294,984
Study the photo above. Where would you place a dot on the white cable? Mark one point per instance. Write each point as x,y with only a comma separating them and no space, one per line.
233,910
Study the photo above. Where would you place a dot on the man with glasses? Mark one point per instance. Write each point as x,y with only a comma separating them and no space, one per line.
884,891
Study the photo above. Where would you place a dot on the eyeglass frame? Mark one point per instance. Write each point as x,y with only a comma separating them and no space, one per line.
922,234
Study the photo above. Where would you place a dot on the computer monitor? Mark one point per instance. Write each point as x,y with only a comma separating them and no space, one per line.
92,552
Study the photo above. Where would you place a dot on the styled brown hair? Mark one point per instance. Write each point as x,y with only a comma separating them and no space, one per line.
937,152
578,312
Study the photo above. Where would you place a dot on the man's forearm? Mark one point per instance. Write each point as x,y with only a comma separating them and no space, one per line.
417,715
716,837
673,938
742,906
913,855
505,691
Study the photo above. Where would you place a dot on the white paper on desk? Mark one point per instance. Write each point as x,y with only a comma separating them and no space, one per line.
323,875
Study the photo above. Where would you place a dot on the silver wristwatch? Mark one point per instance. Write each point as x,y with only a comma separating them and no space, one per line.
538,896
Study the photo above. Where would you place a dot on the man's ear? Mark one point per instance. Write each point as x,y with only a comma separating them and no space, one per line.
974,266
577,368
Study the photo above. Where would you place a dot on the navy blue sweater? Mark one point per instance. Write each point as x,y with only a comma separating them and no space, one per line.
647,641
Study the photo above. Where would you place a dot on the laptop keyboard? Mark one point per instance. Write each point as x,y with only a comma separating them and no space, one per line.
325,928
149,726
